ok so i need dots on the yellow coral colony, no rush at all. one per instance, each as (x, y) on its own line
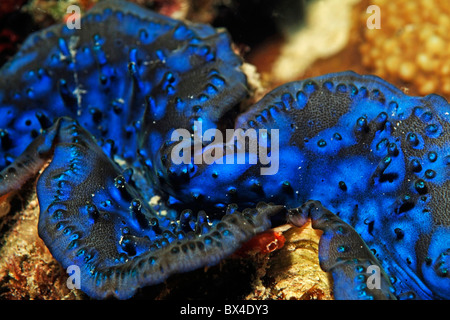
(412, 46)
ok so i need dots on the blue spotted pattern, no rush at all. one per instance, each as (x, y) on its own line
(96, 108)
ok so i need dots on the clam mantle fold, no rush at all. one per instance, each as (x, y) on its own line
(96, 108)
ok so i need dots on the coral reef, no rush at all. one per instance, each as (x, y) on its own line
(293, 271)
(413, 45)
(325, 33)
(27, 269)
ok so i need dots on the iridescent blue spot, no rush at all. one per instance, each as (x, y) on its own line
(420, 186)
(427, 116)
(309, 87)
(211, 89)
(217, 81)
(67, 230)
(432, 156)
(415, 165)
(60, 226)
(341, 87)
(431, 129)
(412, 139)
(328, 85)
(302, 99)
(337, 136)
(321, 143)
(430, 174)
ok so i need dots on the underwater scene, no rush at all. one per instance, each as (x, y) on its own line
(224, 150)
